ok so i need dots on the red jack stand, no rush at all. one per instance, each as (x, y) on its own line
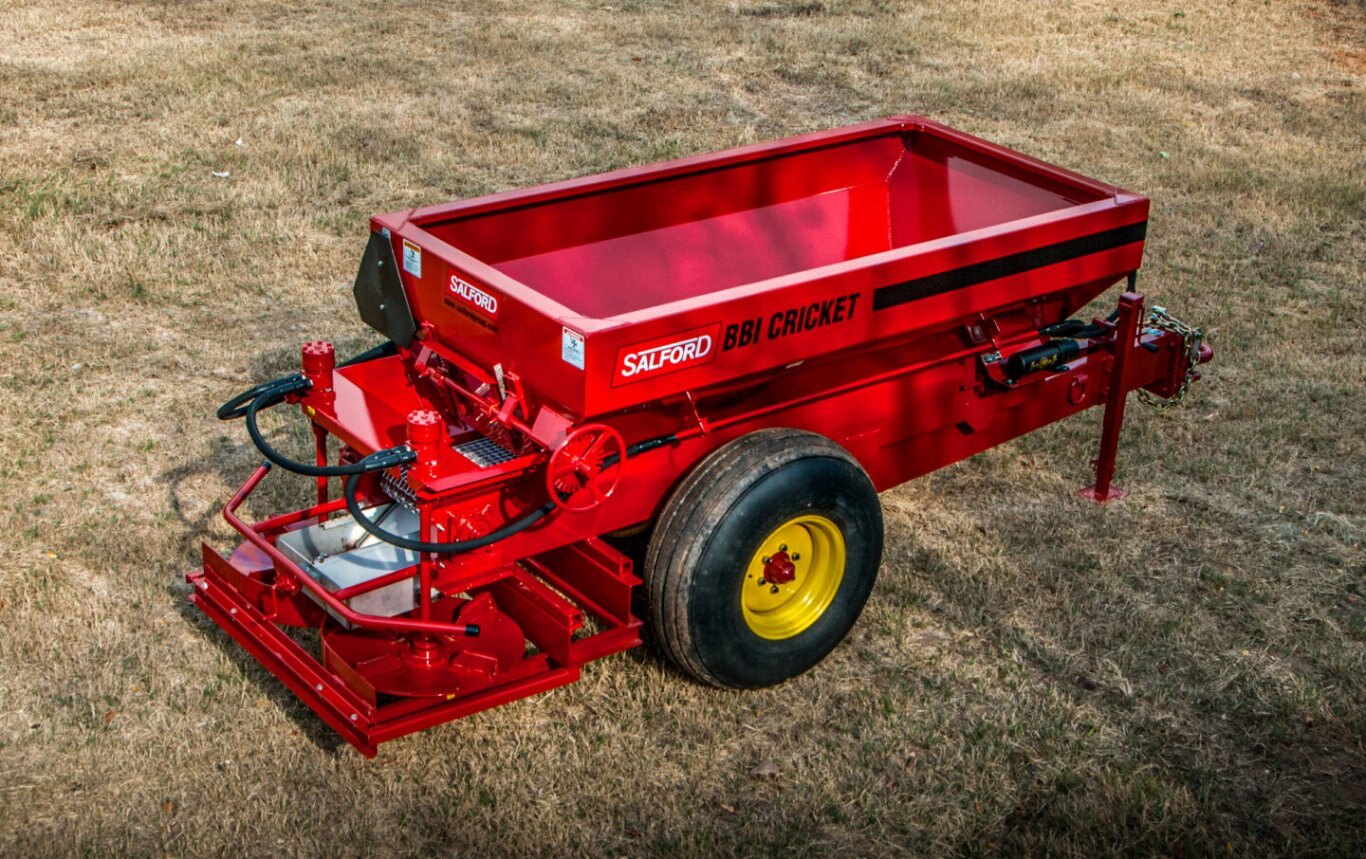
(1126, 334)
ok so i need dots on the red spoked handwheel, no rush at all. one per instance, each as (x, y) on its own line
(583, 472)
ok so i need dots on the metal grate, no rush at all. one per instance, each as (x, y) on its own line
(485, 452)
(398, 488)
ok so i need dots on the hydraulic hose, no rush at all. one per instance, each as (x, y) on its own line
(1076, 329)
(453, 547)
(237, 406)
(376, 461)
(250, 402)
(458, 546)
(274, 391)
(388, 347)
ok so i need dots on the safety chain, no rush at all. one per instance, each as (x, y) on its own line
(1191, 338)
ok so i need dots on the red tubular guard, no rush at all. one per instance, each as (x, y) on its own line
(590, 574)
(285, 565)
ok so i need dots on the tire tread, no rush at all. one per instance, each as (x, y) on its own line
(694, 512)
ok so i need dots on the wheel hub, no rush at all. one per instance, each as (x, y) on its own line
(779, 569)
(793, 577)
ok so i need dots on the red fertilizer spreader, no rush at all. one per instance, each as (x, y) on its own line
(735, 351)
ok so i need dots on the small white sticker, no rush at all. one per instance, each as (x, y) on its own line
(571, 348)
(412, 258)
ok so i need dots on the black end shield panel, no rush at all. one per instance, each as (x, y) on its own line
(379, 293)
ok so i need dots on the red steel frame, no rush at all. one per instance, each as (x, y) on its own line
(914, 382)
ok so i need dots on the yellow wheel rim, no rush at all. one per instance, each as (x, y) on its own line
(793, 577)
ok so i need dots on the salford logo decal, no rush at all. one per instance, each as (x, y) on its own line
(474, 296)
(664, 355)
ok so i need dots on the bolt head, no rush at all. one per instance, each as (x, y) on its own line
(773, 590)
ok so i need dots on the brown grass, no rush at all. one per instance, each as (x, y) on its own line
(1181, 673)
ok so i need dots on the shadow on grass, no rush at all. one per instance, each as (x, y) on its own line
(1227, 753)
(230, 462)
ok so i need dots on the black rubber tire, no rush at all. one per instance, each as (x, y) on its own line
(714, 523)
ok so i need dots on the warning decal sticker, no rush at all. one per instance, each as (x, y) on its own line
(571, 348)
(412, 258)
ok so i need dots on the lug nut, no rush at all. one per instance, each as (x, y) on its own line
(773, 590)
(762, 582)
(796, 557)
(782, 548)
(767, 560)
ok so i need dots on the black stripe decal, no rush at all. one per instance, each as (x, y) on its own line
(981, 272)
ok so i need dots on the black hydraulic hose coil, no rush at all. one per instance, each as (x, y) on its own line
(237, 406)
(377, 461)
(381, 351)
(447, 548)
(273, 392)
(458, 546)
(249, 403)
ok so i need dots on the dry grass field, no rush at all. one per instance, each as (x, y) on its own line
(1182, 673)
